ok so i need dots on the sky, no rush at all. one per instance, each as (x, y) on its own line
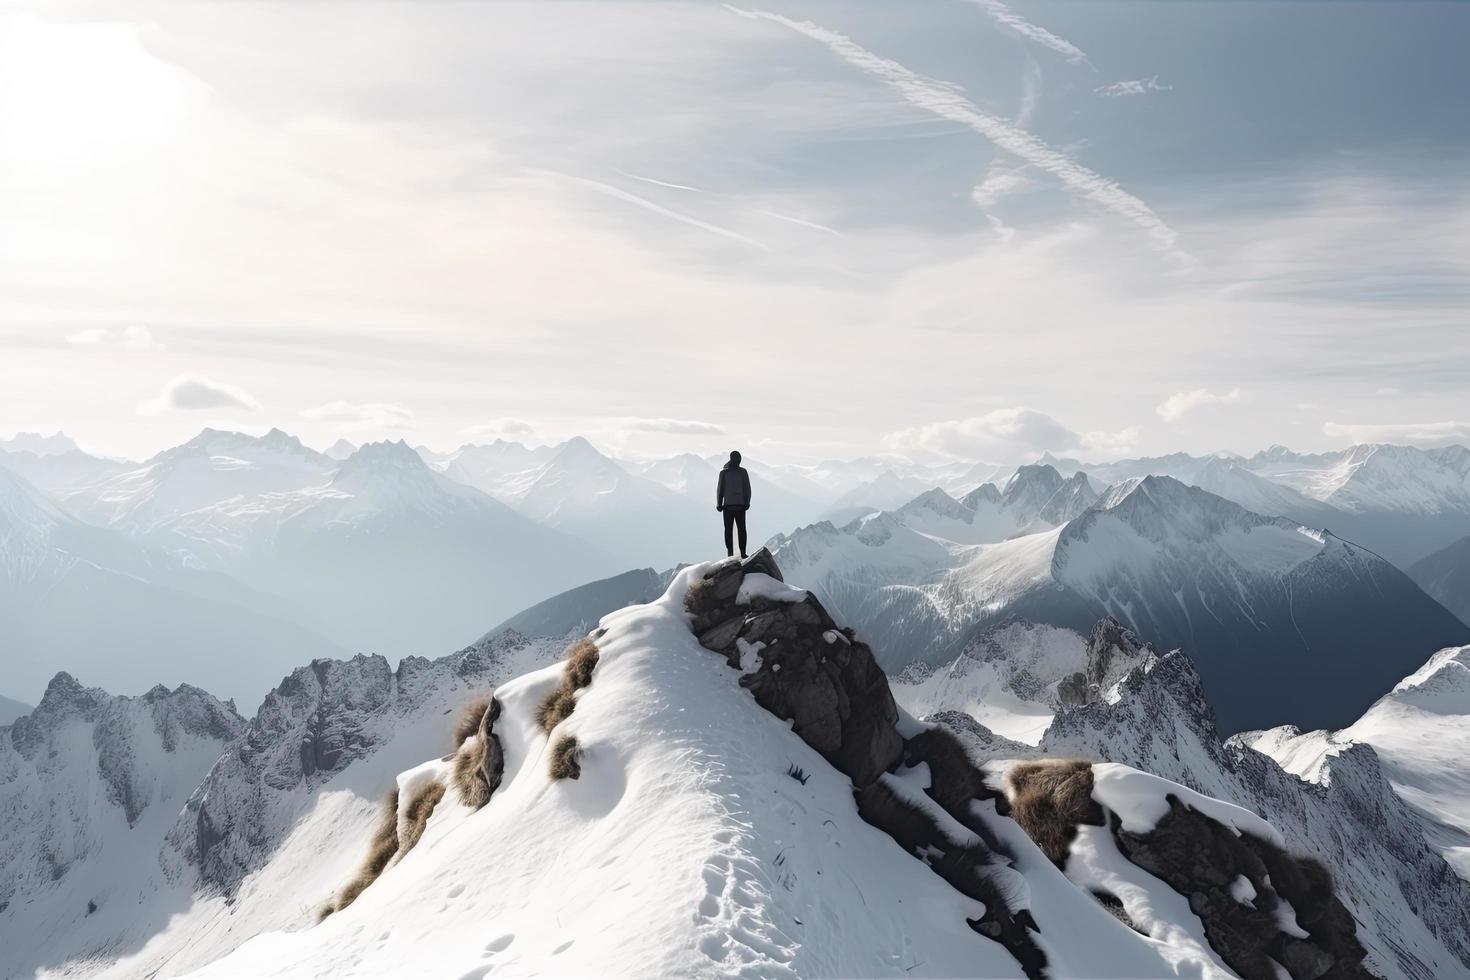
(947, 229)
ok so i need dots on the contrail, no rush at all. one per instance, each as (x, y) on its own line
(1006, 17)
(948, 102)
(660, 183)
(623, 195)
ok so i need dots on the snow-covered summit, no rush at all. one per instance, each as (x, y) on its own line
(714, 833)
(56, 444)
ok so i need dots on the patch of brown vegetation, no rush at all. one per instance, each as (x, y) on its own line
(381, 848)
(467, 722)
(416, 814)
(479, 762)
(579, 661)
(1049, 798)
(564, 764)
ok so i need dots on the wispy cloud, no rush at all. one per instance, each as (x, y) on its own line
(132, 337)
(1181, 403)
(1002, 435)
(998, 184)
(1417, 433)
(500, 427)
(192, 392)
(361, 415)
(1008, 18)
(1133, 86)
(947, 102)
(1120, 441)
(642, 202)
(676, 427)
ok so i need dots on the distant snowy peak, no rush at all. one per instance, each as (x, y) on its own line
(340, 450)
(685, 473)
(216, 442)
(56, 444)
(125, 728)
(1372, 477)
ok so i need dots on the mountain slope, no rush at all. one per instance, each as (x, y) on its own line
(1404, 502)
(212, 467)
(678, 844)
(1248, 596)
(389, 555)
(89, 785)
(1445, 575)
(234, 832)
(1421, 731)
(91, 600)
(11, 709)
(1407, 901)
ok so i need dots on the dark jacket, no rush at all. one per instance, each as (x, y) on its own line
(733, 490)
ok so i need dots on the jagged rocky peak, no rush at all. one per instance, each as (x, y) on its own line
(130, 738)
(985, 493)
(1032, 486)
(939, 502)
(1113, 651)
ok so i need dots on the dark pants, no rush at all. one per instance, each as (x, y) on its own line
(734, 517)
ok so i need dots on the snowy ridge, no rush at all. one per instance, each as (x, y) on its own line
(722, 865)
(234, 824)
(1421, 732)
(1404, 896)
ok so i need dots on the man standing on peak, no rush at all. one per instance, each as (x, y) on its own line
(732, 498)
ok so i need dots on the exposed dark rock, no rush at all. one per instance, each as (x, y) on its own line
(828, 685)
(1201, 859)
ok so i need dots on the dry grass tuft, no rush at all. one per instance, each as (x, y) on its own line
(580, 660)
(564, 764)
(479, 762)
(1049, 799)
(467, 722)
(381, 848)
(416, 814)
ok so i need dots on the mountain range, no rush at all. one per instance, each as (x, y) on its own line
(395, 549)
(1181, 566)
(706, 832)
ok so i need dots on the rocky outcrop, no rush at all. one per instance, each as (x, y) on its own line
(1260, 906)
(822, 678)
(1112, 651)
(802, 667)
(1388, 878)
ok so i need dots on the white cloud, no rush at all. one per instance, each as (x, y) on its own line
(1006, 17)
(1004, 434)
(1417, 433)
(1111, 442)
(192, 392)
(1181, 403)
(129, 338)
(361, 415)
(999, 184)
(677, 427)
(1133, 86)
(946, 101)
(500, 427)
